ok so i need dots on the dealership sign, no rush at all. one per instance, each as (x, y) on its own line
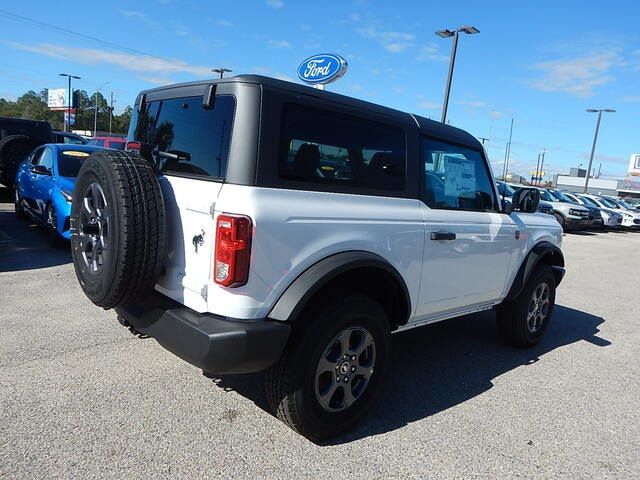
(57, 99)
(322, 69)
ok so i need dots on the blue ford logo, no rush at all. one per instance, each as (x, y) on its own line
(322, 68)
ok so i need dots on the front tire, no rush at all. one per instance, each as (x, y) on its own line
(522, 321)
(17, 204)
(333, 367)
(561, 221)
(55, 240)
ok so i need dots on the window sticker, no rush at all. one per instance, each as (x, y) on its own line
(74, 153)
(459, 179)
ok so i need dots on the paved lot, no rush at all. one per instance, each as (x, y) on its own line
(80, 397)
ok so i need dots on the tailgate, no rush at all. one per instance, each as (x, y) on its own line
(189, 204)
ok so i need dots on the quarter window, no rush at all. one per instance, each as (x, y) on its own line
(455, 178)
(46, 160)
(322, 147)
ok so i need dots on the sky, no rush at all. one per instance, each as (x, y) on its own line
(541, 62)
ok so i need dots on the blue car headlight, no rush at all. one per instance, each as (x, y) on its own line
(67, 195)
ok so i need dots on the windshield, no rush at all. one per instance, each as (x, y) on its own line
(626, 204)
(97, 141)
(505, 189)
(546, 196)
(609, 203)
(69, 162)
(589, 201)
(560, 196)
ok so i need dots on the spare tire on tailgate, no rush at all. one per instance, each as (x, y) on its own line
(117, 228)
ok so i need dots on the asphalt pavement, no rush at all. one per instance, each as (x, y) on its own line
(80, 397)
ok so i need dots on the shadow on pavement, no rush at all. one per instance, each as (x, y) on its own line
(24, 245)
(442, 365)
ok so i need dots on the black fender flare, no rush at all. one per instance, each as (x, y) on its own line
(539, 253)
(307, 284)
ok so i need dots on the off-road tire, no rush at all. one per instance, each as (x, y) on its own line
(511, 317)
(13, 150)
(290, 383)
(561, 221)
(136, 235)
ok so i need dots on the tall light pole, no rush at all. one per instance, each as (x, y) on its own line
(95, 108)
(68, 122)
(446, 33)
(222, 71)
(595, 139)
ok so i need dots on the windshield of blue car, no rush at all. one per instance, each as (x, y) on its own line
(546, 196)
(572, 198)
(69, 162)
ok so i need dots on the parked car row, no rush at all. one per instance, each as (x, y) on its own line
(578, 211)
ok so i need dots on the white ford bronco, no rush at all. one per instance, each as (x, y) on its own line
(256, 224)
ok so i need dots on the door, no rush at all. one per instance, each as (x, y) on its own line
(469, 245)
(41, 182)
(189, 145)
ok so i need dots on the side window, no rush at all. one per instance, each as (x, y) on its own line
(455, 178)
(323, 147)
(46, 159)
(35, 156)
(180, 136)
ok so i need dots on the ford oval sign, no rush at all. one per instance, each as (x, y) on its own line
(322, 68)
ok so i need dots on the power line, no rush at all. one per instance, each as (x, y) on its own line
(27, 20)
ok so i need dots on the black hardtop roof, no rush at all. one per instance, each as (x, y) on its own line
(426, 126)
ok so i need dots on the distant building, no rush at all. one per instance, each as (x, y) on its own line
(622, 188)
(634, 164)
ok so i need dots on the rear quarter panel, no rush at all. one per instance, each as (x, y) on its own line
(294, 229)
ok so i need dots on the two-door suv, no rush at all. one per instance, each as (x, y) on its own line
(265, 225)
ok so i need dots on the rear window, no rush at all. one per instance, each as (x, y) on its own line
(180, 137)
(96, 141)
(325, 148)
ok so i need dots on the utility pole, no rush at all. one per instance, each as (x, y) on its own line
(95, 108)
(222, 71)
(544, 151)
(534, 175)
(110, 113)
(507, 153)
(599, 169)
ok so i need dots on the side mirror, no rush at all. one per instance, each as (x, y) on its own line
(40, 170)
(526, 200)
(507, 207)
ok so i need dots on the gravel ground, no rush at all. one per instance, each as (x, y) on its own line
(80, 397)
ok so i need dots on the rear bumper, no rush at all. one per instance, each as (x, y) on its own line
(213, 343)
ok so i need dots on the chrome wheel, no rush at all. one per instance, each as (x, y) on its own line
(51, 218)
(93, 227)
(345, 369)
(538, 308)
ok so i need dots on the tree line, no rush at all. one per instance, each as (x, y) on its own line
(33, 106)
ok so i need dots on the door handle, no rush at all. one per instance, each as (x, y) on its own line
(443, 236)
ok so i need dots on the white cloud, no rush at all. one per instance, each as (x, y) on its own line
(472, 103)
(576, 76)
(275, 3)
(431, 53)
(224, 23)
(495, 114)
(427, 105)
(392, 41)
(126, 61)
(278, 44)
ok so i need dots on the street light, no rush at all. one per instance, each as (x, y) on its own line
(95, 107)
(595, 139)
(68, 123)
(469, 30)
(221, 71)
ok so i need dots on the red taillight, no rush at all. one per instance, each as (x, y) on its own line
(132, 146)
(233, 250)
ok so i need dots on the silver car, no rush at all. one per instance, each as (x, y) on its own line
(611, 218)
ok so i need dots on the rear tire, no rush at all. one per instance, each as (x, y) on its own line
(522, 321)
(13, 150)
(117, 228)
(302, 388)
